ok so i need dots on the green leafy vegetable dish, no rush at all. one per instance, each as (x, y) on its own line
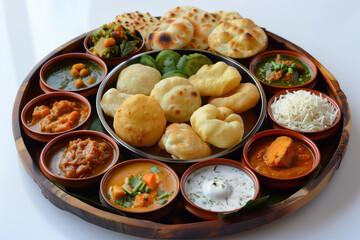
(114, 40)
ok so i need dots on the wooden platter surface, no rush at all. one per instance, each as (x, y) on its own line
(332, 153)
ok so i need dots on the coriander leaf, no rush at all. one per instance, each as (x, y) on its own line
(155, 169)
(132, 181)
(127, 204)
(108, 195)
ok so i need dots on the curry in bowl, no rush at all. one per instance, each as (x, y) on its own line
(140, 188)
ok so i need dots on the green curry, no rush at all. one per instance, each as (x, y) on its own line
(59, 75)
(281, 70)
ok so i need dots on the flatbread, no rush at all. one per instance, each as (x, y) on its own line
(143, 22)
(171, 34)
(201, 20)
(223, 15)
(239, 38)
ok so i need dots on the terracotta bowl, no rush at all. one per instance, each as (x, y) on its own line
(143, 214)
(202, 212)
(316, 135)
(68, 56)
(115, 60)
(252, 118)
(277, 182)
(272, 89)
(51, 153)
(47, 99)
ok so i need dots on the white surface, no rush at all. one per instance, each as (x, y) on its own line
(329, 30)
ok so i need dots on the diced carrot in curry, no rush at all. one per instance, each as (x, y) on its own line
(118, 192)
(280, 152)
(142, 200)
(150, 180)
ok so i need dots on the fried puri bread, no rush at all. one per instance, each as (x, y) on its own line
(140, 121)
(143, 22)
(244, 97)
(202, 21)
(111, 101)
(182, 142)
(239, 38)
(216, 80)
(178, 98)
(171, 34)
(218, 126)
(222, 15)
(138, 79)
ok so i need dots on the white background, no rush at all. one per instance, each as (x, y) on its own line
(29, 30)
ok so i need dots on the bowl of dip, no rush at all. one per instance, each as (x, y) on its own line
(52, 114)
(306, 111)
(279, 70)
(75, 72)
(218, 185)
(141, 188)
(78, 159)
(281, 158)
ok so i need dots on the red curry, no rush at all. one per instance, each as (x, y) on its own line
(301, 163)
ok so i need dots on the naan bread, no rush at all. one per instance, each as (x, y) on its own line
(143, 22)
(201, 20)
(239, 38)
(171, 34)
(222, 15)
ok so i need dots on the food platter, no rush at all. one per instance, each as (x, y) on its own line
(181, 224)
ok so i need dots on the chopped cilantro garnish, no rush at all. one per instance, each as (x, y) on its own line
(108, 195)
(155, 169)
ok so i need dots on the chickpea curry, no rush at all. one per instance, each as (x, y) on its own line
(283, 157)
(281, 70)
(74, 74)
(114, 40)
(141, 187)
(58, 116)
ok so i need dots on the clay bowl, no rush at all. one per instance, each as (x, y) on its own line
(114, 60)
(280, 182)
(272, 89)
(252, 118)
(127, 168)
(315, 135)
(47, 99)
(73, 58)
(51, 153)
(200, 211)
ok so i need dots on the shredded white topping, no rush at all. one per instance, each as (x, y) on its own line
(304, 111)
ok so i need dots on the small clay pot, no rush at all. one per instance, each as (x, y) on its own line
(46, 99)
(204, 213)
(82, 91)
(49, 162)
(274, 182)
(315, 135)
(272, 89)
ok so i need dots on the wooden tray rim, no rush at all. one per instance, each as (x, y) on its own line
(150, 229)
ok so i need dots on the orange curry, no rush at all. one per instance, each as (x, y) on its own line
(141, 187)
(58, 117)
(281, 158)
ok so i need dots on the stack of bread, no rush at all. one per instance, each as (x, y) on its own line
(224, 32)
(171, 112)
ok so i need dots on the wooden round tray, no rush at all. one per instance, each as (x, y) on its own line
(181, 224)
